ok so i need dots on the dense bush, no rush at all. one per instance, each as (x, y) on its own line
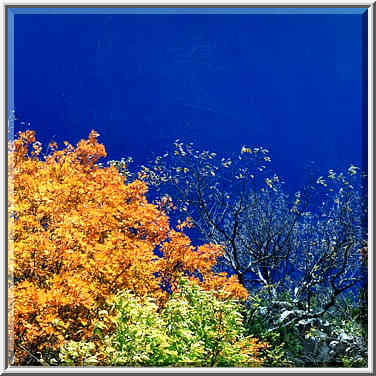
(194, 329)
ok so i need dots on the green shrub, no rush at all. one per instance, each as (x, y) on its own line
(194, 329)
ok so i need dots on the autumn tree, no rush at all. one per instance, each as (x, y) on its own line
(78, 234)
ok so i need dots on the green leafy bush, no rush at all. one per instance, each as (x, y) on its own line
(194, 329)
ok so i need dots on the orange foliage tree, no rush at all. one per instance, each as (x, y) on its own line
(77, 235)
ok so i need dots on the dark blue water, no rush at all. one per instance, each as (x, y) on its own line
(295, 84)
(292, 83)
